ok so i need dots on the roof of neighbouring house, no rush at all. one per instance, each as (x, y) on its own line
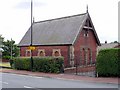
(59, 31)
(108, 45)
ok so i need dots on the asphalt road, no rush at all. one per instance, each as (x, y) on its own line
(25, 81)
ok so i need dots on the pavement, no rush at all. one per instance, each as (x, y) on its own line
(112, 80)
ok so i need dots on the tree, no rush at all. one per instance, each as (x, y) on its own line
(10, 49)
(1, 40)
(115, 41)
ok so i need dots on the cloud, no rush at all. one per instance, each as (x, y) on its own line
(27, 4)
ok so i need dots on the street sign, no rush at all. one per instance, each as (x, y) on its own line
(31, 48)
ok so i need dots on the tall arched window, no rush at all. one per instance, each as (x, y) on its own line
(83, 56)
(89, 56)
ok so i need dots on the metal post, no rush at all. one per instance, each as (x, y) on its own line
(11, 48)
(31, 37)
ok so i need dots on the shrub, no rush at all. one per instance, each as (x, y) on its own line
(6, 57)
(21, 63)
(108, 62)
(48, 64)
(41, 64)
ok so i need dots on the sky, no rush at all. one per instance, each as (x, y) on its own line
(15, 15)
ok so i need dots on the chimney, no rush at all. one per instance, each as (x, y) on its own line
(105, 42)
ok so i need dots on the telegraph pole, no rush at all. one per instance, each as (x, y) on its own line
(31, 35)
(11, 48)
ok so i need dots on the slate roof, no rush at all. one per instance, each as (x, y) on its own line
(59, 31)
(107, 46)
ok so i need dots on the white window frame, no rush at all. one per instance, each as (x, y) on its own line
(58, 50)
(26, 53)
(39, 50)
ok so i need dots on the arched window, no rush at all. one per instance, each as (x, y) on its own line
(56, 52)
(28, 53)
(41, 52)
(83, 56)
(89, 56)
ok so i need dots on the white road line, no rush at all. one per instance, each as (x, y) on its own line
(27, 76)
(27, 87)
(4, 82)
(38, 77)
(32, 87)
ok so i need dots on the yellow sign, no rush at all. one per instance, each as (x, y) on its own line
(31, 47)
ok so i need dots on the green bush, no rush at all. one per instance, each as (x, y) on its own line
(21, 63)
(41, 64)
(108, 61)
(6, 57)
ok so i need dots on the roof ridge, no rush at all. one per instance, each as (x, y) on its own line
(60, 18)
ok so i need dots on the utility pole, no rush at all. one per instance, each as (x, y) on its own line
(11, 48)
(31, 35)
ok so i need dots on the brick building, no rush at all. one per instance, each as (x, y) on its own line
(73, 37)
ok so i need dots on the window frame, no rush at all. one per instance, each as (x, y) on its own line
(26, 53)
(58, 50)
(41, 50)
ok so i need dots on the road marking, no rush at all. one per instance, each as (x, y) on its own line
(27, 87)
(26, 76)
(38, 77)
(32, 87)
(4, 82)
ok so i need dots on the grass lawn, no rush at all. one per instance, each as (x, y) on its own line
(5, 64)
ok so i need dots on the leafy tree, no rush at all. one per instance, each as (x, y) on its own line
(9, 46)
(1, 40)
(115, 41)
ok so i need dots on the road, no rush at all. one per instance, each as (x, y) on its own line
(25, 81)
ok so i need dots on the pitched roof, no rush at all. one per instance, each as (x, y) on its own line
(107, 46)
(57, 31)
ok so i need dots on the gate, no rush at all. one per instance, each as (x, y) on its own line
(88, 70)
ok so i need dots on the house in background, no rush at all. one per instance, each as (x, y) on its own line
(73, 37)
(108, 45)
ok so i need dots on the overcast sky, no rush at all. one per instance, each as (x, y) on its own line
(15, 15)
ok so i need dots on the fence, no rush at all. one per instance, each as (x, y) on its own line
(88, 70)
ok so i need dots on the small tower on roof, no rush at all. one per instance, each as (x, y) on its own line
(87, 9)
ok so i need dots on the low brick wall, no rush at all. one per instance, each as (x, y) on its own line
(5, 60)
(80, 69)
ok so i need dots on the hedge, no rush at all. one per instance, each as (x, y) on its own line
(41, 64)
(108, 61)
(21, 63)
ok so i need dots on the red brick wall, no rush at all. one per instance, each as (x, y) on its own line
(80, 69)
(89, 42)
(49, 51)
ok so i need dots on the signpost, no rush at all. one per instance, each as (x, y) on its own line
(31, 48)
